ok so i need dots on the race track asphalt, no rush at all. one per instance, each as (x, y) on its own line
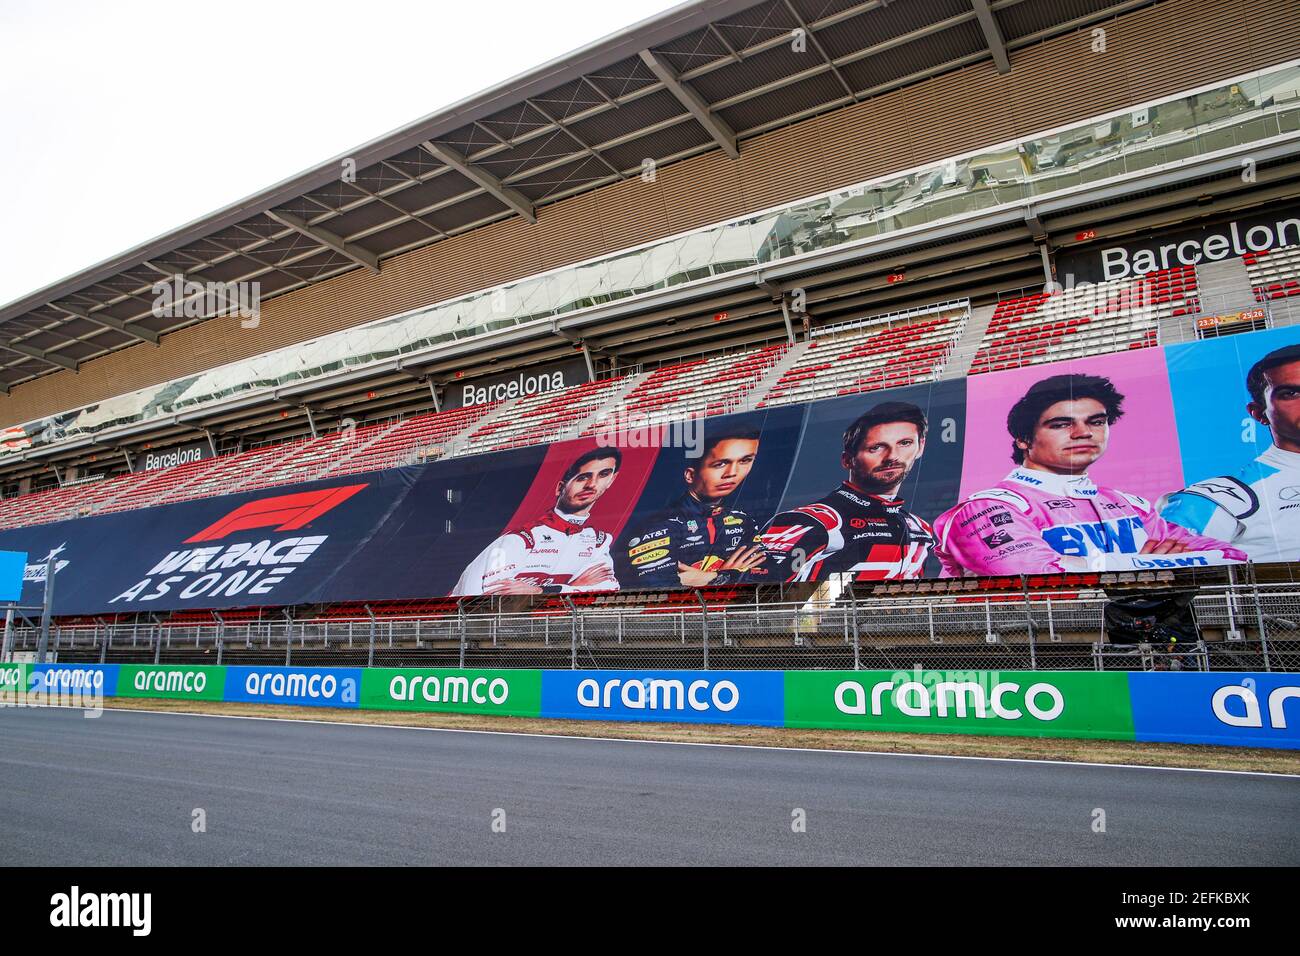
(123, 789)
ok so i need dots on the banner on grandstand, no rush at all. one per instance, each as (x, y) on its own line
(1146, 459)
(534, 380)
(1226, 239)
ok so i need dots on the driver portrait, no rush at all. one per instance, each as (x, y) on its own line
(1257, 508)
(557, 552)
(1047, 515)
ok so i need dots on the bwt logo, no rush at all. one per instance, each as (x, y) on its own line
(282, 513)
(1196, 560)
(1277, 699)
(659, 694)
(1124, 536)
(75, 909)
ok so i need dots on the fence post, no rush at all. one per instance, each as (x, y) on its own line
(1259, 619)
(573, 632)
(460, 623)
(157, 643)
(1029, 623)
(47, 611)
(7, 649)
(853, 614)
(221, 640)
(704, 625)
(370, 654)
(103, 648)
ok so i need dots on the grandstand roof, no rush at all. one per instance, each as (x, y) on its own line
(703, 76)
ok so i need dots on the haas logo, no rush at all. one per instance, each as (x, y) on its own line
(283, 512)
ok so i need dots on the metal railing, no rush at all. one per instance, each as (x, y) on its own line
(1254, 627)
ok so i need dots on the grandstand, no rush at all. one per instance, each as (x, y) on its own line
(892, 206)
(1274, 274)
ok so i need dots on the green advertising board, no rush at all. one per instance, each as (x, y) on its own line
(172, 681)
(516, 693)
(13, 683)
(1013, 703)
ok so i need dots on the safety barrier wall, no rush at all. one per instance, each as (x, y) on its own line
(1246, 710)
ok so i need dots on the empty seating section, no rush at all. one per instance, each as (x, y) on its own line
(887, 353)
(1274, 274)
(348, 451)
(357, 610)
(707, 386)
(1086, 320)
(536, 419)
(409, 441)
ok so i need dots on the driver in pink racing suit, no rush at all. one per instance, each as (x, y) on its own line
(1047, 516)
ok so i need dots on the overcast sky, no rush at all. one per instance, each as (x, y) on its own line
(122, 120)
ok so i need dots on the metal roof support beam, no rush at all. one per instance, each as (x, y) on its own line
(714, 125)
(1037, 231)
(328, 239)
(586, 147)
(992, 35)
(812, 38)
(484, 180)
(51, 358)
(108, 322)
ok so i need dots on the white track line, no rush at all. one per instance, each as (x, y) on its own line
(694, 743)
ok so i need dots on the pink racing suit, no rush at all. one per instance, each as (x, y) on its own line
(1036, 522)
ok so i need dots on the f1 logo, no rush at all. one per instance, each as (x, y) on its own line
(283, 512)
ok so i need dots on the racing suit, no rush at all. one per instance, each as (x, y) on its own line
(1256, 510)
(1036, 522)
(849, 530)
(549, 551)
(696, 533)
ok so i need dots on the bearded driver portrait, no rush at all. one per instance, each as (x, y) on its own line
(861, 528)
(557, 552)
(1048, 516)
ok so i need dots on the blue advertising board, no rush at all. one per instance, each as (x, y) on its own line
(56, 678)
(1237, 709)
(700, 697)
(303, 686)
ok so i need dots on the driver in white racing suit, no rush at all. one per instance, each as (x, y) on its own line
(557, 552)
(1258, 508)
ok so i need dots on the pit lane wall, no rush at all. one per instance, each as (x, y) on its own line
(1231, 709)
